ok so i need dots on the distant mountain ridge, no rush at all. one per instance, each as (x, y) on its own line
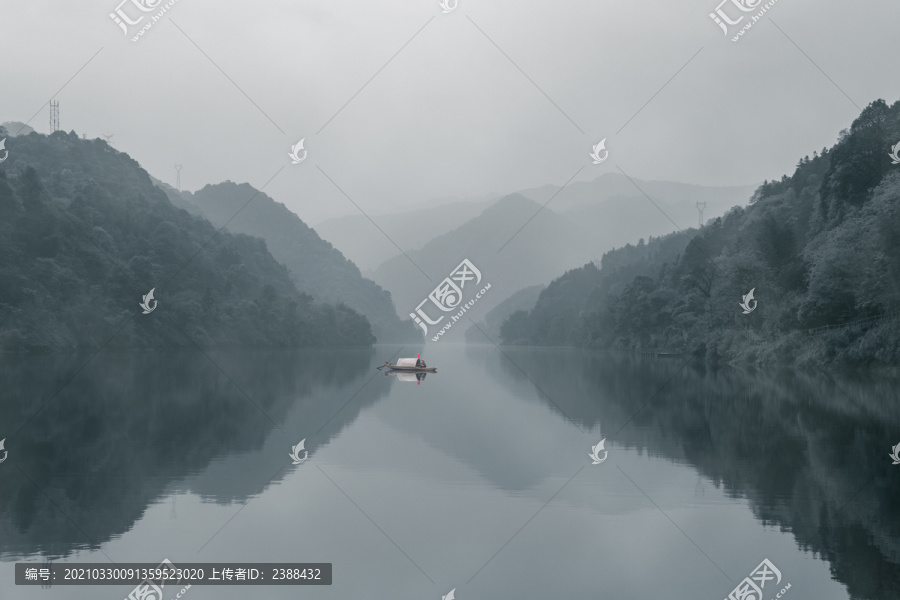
(15, 128)
(368, 247)
(616, 185)
(621, 210)
(613, 206)
(513, 243)
(557, 233)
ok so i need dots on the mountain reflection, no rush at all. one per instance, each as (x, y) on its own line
(809, 451)
(92, 445)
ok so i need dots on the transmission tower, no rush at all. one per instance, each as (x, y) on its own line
(54, 115)
(178, 177)
(108, 137)
(700, 208)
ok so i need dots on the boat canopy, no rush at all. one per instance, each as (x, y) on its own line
(410, 362)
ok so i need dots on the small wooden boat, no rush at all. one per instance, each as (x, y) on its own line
(412, 365)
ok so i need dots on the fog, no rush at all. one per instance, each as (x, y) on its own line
(400, 104)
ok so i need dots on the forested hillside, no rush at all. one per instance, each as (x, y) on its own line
(315, 266)
(84, 235)
(820, 249)
(524, 299)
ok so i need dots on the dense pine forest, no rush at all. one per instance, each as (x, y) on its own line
(820, 249)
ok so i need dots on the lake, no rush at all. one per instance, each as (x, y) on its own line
(477, 478)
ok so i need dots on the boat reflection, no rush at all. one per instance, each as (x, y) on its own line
(408, 376)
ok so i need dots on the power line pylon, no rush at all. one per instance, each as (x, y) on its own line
(54, 115)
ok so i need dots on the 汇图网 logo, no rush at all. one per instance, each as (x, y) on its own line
(145, 303)
(751, 588)
(723, 19)
(599, 148)
(150, 590)
(296, 159)
(895, 154)
(296, 450)
(124, 20)
(747, 299)
(448, 5)
(448, 296)
(595, 452)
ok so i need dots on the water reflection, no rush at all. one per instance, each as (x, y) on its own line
(85, 462)
(404, 377)
(449, 469)
(809, 451)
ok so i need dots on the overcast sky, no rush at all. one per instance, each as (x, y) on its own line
(400, 103)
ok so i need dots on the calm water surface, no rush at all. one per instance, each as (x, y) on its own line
(477, 479)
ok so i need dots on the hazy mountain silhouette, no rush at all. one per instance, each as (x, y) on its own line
(575, 226)
(615, 185)
(611, 206)
(315, 266)
(14, 128)
(365, 245)
(508, 260)
(617, 211)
